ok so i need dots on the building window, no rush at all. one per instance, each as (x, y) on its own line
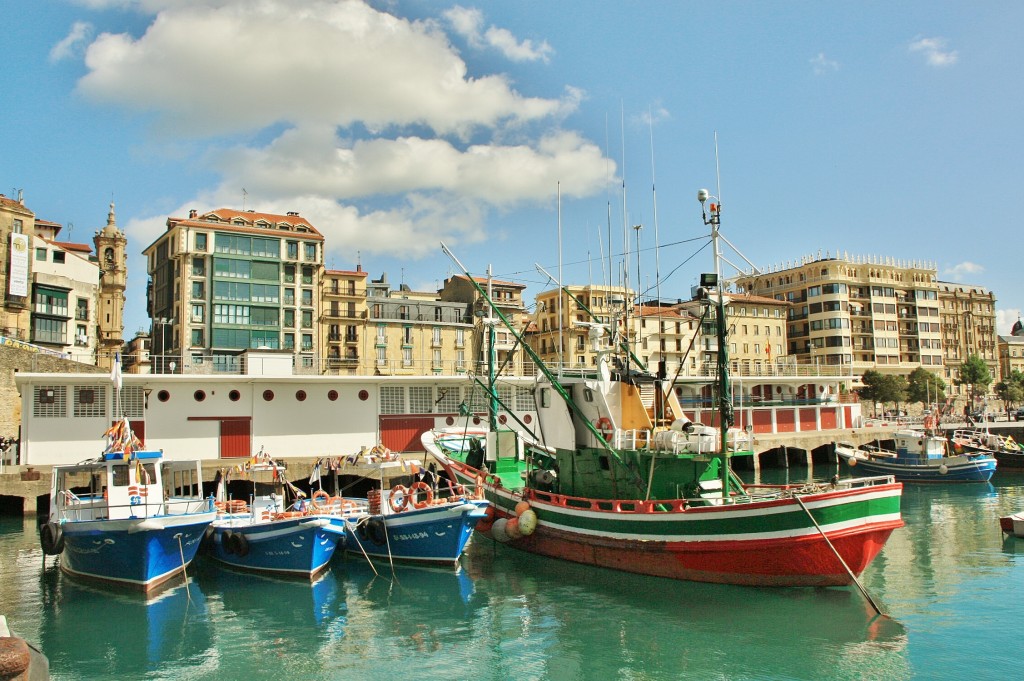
(460, 338)
(90, 401)
(289, 318)
(293, 250)
(382, 356)
(307, 341)
(50, 401)
(197, 338)
(307, 296)
(82, 309)
(307, 319)
(310, 252)
(199, 267)
(41, 254)
(289, 341)
(307, 276)
(198, 289)
(200, 241)
(58, 256)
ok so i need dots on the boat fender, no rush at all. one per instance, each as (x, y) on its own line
(239, 544)
(51, 537)
(498, 530)
(399, 498)
(361, 531)
(512, 528)
(207, 541)
(414, 491)
(227, 541)
(521, 507)
(527, 522)
(852, 461)
(943, 469)
(376, 531)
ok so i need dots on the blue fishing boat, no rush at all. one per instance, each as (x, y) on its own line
(130, 517)
(411, 517)
(918, 456)
(262, 534)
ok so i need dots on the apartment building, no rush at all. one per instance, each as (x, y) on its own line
(1011, 351)
(866, 313)
(343, 319)
(415, 333)
(58, 295)
(968, 322)
(561, 334)
(508, 300)
(227, 280)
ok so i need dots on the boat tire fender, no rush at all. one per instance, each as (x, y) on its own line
(227, 541)
(376, 531)
(51, 538)
(239, 544)
(207, 541)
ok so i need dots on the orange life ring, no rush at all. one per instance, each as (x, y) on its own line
(402, 494)
(604, 427)
(320, 494)
(417, 487)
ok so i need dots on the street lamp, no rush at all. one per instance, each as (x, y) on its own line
(164, 322)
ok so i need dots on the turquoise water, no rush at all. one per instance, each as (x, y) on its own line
(950, 584)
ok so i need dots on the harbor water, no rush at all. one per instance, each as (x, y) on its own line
(951, 586)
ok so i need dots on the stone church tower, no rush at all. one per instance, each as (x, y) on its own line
(110, 245)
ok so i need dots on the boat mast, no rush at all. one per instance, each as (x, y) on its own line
(725, 413)
(492, 403)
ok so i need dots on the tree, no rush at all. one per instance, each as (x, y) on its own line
(1011, 390)
(925, 387)
(975, 373)
(883, 388)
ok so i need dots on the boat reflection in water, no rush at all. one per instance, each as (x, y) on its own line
(104, 632)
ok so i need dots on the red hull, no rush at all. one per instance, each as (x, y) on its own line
(804, 561)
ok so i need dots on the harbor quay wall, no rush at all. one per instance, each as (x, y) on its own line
(25, 489)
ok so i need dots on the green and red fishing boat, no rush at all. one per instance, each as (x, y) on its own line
(605, 480)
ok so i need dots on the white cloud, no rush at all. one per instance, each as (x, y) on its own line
(934, 51)
(310, 79)
(239, 66)
(71, 44)
(1005, 319)
(469, 22)
(963, 269)
(822, 65)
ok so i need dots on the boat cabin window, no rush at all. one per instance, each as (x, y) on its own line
(545, 398)
(120, 476)
(588, 394)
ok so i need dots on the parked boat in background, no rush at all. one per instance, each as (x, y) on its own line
(1007, 452)
(410, 517)
(607, 481)
(265, 534)
(130, 517)
(918, 456)
(1013, 524)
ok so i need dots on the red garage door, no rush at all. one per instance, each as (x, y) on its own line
(402, 433)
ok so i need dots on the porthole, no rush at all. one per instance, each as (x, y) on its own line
(450, 421)
(476, 420)
(199, 395)
(163, 396)
(364, 395)
(502, 419)
(527, 419)
(300, 395)
(268, 395)
(332, 395)
(234, 395)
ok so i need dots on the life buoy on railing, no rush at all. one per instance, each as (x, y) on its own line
(414, 491)
(399, 498)
(604, 427)
(317, 496)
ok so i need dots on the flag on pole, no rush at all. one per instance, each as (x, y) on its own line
(314, 477)
(768, 350)
(115, 372)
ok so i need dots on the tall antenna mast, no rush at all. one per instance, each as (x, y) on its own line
(559, 212)
(654, 196)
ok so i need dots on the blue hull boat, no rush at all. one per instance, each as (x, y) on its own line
(918, 457)
(300, 546)
(434, 534)
(111, 521)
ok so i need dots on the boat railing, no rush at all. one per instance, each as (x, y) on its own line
(72, 507)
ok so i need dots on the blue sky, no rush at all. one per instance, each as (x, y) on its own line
(867, 128)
